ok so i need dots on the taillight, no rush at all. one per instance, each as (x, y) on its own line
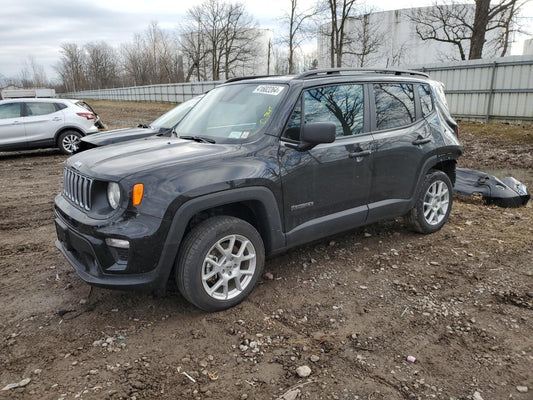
(457, 131)
(89, 116)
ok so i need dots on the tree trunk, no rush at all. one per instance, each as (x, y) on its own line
(481, 19)
(332, 50)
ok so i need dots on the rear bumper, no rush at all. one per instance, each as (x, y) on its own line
(91, 130)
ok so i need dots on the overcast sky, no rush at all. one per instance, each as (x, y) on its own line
(38, 27)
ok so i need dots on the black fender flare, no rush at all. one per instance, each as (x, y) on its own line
(429, 164)
(270, 214)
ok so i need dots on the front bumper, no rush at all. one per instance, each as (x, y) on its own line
(98, 264)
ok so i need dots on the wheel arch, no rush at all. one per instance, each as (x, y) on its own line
(255, 205)
(445, 163)
(448, 167)
(251, 211)
(64, 129)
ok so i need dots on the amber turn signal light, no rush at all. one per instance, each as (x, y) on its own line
(138, 191)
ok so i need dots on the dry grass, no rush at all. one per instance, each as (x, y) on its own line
(126, 114)
(502, 133)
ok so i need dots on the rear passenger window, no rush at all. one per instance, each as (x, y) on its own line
(395, 105)
(10, 110)
(426, 101)
(341, 104)
(40, 108)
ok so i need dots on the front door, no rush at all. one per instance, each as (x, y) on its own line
(325, 189)
(11, 126)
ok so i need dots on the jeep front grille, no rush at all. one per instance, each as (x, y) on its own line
(77, 188)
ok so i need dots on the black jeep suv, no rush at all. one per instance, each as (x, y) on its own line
(259, 166)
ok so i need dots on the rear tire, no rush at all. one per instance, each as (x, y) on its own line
(219, 263)
(433, 203)
(68, 142)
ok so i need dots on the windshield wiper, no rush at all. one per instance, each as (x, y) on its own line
(143, 126)
(199, 139)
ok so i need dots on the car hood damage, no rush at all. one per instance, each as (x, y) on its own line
(121, 160)
(116, 136)
(507, 192)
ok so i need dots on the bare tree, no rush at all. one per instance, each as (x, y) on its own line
(368, 39)
(397, 55)
(218, 36)
(102, 65)
(135, 64)
(71, 67)
(339, 12)
(300, 27)
(33, 74)
(465, 26)
(310, 60)
(152, 57)
(238, 38)
(509, 26)
(280, 65)
(193, 47)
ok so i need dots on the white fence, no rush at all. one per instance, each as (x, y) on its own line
(165, 93)
(496, 89)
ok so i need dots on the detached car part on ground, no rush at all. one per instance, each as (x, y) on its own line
(162, 126)
(506, 192)
(259, 166)
(38, 123)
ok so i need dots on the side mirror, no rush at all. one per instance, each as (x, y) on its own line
(314, 133)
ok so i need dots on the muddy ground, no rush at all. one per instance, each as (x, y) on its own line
(351, 307)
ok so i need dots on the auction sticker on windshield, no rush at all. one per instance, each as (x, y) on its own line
(239, 134)
(272, 90)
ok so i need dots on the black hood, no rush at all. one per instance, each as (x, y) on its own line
(118, 161)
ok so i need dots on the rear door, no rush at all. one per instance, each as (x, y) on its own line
(402, 143)
(42, 120)
(325, 189)
(11, 126)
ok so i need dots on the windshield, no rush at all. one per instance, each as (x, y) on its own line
(233, 113)
(171, 118)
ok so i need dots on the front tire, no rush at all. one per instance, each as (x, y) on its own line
(433, 203)
(68, 142)
(219, 263)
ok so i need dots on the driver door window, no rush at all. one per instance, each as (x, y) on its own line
(10, 110)
(340, 104)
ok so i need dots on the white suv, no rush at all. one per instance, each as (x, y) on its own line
(36, 123)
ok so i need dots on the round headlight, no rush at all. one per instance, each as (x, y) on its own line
(113, 195)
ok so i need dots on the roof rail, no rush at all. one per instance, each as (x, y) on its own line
(348, 71)
(242, 78)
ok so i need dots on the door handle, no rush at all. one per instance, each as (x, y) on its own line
(421, 140)
(56, 119)
(360, 154)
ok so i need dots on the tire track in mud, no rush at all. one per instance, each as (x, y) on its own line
(329, 345)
